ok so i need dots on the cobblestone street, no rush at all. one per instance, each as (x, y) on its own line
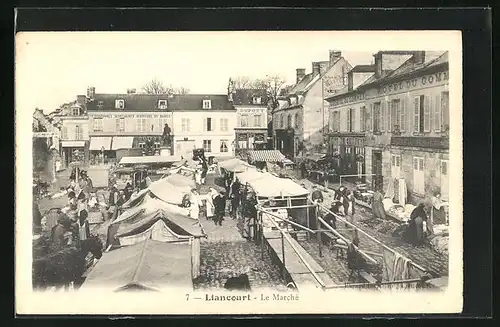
(225, 253)
(425, 256)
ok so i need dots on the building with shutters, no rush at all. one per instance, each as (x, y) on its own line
(402, 112)
(300, 119)
(251, 118)
(203, 121)
(74, 132)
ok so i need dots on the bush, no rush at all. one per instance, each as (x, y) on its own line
(41, 154)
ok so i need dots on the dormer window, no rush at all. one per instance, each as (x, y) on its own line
(100, 104)
(257, 100)
(207, 104)
(120, 104)
(162, 104)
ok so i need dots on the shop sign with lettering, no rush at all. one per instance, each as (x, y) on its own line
(348, 99)
(419, 82)
(251, 110)
(354, 141)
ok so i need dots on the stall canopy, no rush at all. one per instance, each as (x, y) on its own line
(122, 142)
(149, 265)
(148, 160)
(234, 165)
(73, 144)
(180, 180)
(168, 192)
(265, 155)
(251, 175)
(272, 186)
(98, 143)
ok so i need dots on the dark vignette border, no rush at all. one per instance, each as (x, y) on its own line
(477, 50)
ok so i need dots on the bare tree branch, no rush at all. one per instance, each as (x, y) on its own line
(241, 82)
(156, 86)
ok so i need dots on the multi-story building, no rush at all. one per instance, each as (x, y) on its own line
(124, 124)
(300, 119)
(203, 121)
(400, 117)
(251, 118)
(74, 132)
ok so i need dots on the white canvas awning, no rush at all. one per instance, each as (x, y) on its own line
(73, 144)
(122, 142)
(97, 143)
(148, 160)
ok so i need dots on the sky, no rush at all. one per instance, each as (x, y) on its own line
(53, 67)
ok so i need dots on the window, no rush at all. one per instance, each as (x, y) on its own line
(207, 145)
(142, 145)
(162, 104)
(157, 145)
(368, 119)
(223, 124)
(376, 117)
(418, 175)
(100, 104)
(141, 124)
(223, 146)
(336, 121)
(64, 133)
(75, 111)
(120, 104)
(395, 165)
(297, 124)
(244, 120)
(362, 119)
(422, 114)
(289, 121)
(207, 104)
(185, 124)
(395, 115)
(78, 133)
(257, 120)
(208, 125)
(97, 124)
(350, 120)
(257, 100)
(445, 110)
(121, 126)
(282, 121)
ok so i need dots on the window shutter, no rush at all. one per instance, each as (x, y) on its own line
(389, 116)
(382, 121)
(204, 124)
(348, 120)
(416, 114)
(437, 113)
(427, 114)
(402, 120)
(362, 119)
(371, 117)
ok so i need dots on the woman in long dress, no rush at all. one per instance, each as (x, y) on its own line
(377, 205)
(195, 203)
(210, 203)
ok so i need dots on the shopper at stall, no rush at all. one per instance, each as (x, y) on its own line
(377, 204)
(235, 197)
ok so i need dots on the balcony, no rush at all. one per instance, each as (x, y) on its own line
(421, 142)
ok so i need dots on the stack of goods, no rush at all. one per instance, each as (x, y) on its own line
(440, 244)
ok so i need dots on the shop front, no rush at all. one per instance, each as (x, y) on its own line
(285, 142)
(100, 150)
(73, 151)
(351, 150)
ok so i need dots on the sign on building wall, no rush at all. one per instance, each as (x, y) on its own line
(43, 134)
(415, 83)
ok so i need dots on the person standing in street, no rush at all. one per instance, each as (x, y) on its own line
(220, 208)
(235, 198)
(377, 204)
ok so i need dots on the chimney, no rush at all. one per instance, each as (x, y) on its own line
(315, 68)
(350, 81)
(301, 72)
(378, 64)
(91, 92)
(419, 57)
(334, 56)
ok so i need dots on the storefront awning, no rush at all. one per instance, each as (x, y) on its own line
(73, 144)
(122, 142)
(266, 155)
(97, 143)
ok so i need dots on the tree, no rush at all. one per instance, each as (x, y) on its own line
(155, 86)
(271, 85)
(41, 154)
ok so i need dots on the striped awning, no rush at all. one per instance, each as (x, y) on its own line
(266, 155)
(122, 142)
(73, 144)
(97, 143)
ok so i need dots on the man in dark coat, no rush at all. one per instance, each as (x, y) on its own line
(235, 197)
(220, 208)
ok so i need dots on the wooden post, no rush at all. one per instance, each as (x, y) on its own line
(195, 253)
(308, 222)
(283, 249)
(261, 235)
(319, 233)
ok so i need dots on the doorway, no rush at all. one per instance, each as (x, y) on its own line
(377, 180)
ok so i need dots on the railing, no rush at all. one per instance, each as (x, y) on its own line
(354, 175)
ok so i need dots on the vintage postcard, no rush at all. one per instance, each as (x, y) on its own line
(238, 172)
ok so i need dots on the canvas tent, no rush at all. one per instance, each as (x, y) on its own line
(234, 165)
(271, 186)
(265, 156)
(149, 265)
(251, 175)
